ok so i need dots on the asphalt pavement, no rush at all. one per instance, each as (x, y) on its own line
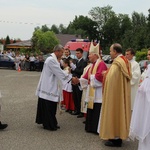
(18, 109)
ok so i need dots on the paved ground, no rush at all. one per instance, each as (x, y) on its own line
(19, 109)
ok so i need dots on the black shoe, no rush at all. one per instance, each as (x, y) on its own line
(114, 143)
(70, 112)
(80, 115)
(84, 122)
(58, 127)
(51, 129)
(3, 126)
(75, 113)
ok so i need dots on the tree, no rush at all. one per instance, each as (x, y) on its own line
(44, 41)
(101, 15)
(14, 41)
(86, 27)
(71, 29)
(7, 40)
(125, 31)
(124, 23)
(148, 19)
(138, 20)
(55, 29)
(139, 30)
(127, 39)
(111, 31)
(62, 29)
(147, 43)
(44, 28)
(107, 27)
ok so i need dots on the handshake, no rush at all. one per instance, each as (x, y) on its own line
(75, 80)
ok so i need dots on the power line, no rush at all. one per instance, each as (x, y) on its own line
(25, 23)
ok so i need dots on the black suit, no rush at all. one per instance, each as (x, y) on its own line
(77, 93)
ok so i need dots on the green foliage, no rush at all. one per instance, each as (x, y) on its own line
(129, 32)
(25, 51)
(45, 28)
(29, 51)
(7, 40)
(44, 41)
(55, 29)
(14, 41)
(108, 27)
(85, 26)
(141, 55)
(101, 15)
(106, 51)
(62, 29)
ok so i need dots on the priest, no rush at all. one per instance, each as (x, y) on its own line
(94, 78)
(49, 90)
(116, 108)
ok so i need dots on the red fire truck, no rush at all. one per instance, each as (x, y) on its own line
(72, 45)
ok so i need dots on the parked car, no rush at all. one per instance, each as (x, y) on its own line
(36, 62)
(107, 59)
(7, 61)
(46, 56)
(142, 65)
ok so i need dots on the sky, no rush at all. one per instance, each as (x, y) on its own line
(19, 18)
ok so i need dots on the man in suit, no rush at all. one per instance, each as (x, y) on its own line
(77, 71)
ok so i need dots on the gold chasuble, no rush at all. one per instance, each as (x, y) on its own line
(92, 89)
(116, 105)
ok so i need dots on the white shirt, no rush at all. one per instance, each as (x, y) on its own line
(32, 58)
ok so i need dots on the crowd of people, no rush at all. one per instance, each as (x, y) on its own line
(25, 61)
(114, 101)
(104, 96)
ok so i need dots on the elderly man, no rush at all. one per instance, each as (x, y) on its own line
(49, 90)
(116, 108)
(94, 76)
(93, 80)
(136, 74)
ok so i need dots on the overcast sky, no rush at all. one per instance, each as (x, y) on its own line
(18, 18)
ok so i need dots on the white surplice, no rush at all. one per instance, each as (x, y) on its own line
(136, 75)
(140, 126)
(52, 77)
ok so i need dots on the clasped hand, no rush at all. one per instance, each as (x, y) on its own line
(75, 80)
